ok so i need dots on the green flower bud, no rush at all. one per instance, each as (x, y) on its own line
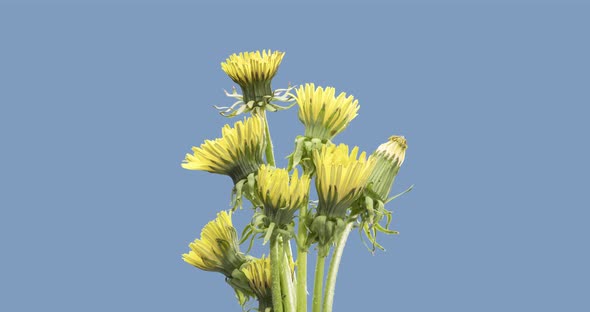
(389, 158)
(370, 208)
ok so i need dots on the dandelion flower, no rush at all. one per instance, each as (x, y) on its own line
(281, 194)
(257, 273)
(237, 153)
(341, 178)
(218, 248)
(323, 113)
(253, 71)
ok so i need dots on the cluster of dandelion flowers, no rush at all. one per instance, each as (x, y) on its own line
(341, 178)
(238, 153)
(351, 186)
(323, 113)
(253, 71)
(218, 248)
(389, 158)
(281, 194)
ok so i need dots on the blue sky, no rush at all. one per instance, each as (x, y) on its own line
(99, 104)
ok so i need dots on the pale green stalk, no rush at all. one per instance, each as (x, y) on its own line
(285, 251)
(302, 257)
(302, 263)
(275, 274)
(286, 281)
(270, 156)
(316, 303)
(289, 251)
(333, 270)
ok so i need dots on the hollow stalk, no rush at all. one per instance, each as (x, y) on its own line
(275, 274)
(333, 270)
(316, 303)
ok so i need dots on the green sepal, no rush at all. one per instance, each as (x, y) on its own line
(371, 210)
(242, 298)
(295, 157)
(236, 195)
(400, 194)
(275, 107)
(266, 102)
(369, 207)
(385, 230)
(303, 153)
(370, 233)
(251, 185)
(268, 233)
(248, 233)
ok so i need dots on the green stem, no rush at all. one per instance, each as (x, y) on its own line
(275, 274)
(287, 281)
(316, 303)
(289, 251)
(269, 152)
(333, 270)
(291, 259)
(302, 281)
(302, 263)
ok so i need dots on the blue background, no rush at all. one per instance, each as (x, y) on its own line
(99, 104)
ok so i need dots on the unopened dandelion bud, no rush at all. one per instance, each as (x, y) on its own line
(218, 249)
(389, 158)
(370, 208)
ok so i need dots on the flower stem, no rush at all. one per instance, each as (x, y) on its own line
(269, 152)
(275, 274)
(289, 251)
(333, 270)
(316, 304)
(287, 280)
(302, 263)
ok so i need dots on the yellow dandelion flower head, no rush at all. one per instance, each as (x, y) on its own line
(218, 248)
(341, 178)
(280, 193)
(258, 274)
(323, 113)
(249, 68)
(237, 153)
